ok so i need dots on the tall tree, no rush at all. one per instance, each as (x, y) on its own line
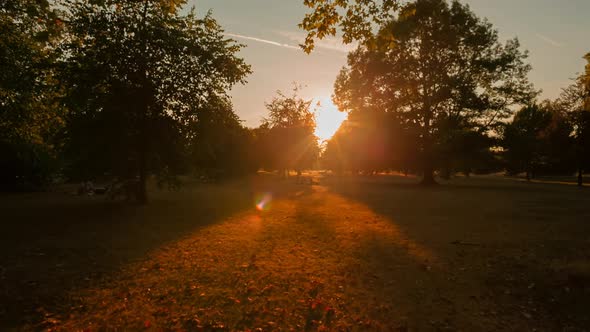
(538, 139)
(463, 148)
(141, 73)
(221, 146)
(29, 116)
(368, 141)
(436, 63)
(586, 83)
(288, 132)
(573, 100)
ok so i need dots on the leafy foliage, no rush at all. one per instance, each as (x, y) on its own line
(367, 142)
(29, 114)
(287, 135)
(356, 19)
(537, 139)
(220, 145)
(141, 75)
(439, 68)
(572, 102)
(586, 82)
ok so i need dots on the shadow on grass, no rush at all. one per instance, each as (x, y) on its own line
(515, 231)
(51, 244)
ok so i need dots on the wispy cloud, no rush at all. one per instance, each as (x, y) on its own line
(548, 40)
(328, 43)
(260, 40)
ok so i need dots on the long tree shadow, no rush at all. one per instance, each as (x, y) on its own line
(366, 265)
(464, 209)
(497, 241)
(51, 243)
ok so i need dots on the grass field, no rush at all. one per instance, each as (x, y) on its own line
(353, 254)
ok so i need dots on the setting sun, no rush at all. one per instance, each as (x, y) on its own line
(328, 119)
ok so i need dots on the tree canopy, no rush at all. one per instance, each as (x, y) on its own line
(586, 83)
(140, 74)
(220, 146)
(355, 18)
(537, 139)
(29, 115)
(439, 68)
(287, 133)
(131, 89)
(573, 101)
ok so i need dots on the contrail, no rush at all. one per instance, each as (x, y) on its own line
(260, 40)
(549, 40)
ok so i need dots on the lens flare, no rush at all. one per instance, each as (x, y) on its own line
(263, 201)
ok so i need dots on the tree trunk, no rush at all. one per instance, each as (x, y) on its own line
(142, 196)
(428, 178)
(142, 166)
(427, 157)
(428, 160)
(446, 173)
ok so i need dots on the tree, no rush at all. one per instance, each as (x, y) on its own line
(140, 75)
(463, 148)
(572, 101)
(436, 63)
(221, 146)
(287, 134)
(586, 83)
(29, 116)
(355, 18)
(538, 139)
(367, 142)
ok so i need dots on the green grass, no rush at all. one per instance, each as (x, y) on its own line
(352, 253)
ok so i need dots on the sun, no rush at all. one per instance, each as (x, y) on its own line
(328, 119)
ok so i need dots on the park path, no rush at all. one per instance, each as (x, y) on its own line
(310, 260)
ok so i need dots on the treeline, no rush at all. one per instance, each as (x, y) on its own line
(434, 90)
(117, 89)
(123, 89)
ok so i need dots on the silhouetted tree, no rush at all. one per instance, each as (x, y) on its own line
(538, 139)
(436, 63)
(586, 83)
(464, 149)
(140, 74)
(572, 102)
(220, 145)
(367, 142)
(29, 115)
(287, 134)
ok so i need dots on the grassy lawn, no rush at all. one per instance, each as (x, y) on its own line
(352, 253)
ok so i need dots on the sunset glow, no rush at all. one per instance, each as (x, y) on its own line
(328, 119)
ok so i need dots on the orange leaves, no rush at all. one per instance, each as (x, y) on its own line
(267, 289)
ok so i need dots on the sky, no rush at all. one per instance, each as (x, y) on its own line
(555, 32)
